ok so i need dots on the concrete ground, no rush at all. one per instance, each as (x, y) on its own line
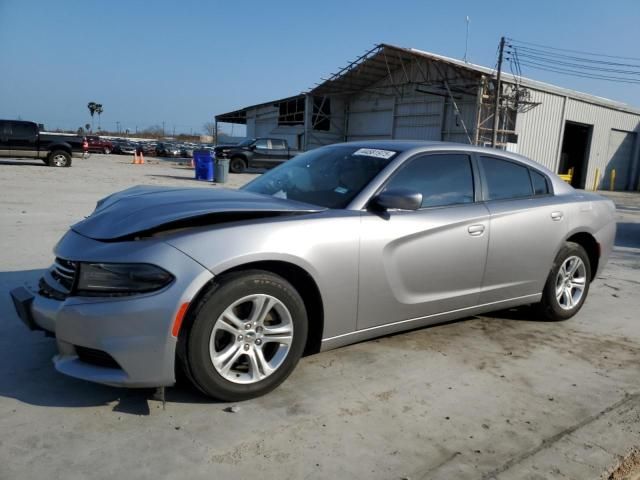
(501, 396)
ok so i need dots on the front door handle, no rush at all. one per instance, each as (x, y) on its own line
(556, 216)
(475, 230)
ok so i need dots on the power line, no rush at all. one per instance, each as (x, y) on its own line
(572, 57)
(577, 65)
(578, 73)
(582, 52)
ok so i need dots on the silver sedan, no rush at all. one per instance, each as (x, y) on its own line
(341, 244)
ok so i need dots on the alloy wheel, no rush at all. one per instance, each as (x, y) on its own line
(251, 339)
(570, 282)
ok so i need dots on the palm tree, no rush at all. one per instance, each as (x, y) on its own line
(99, 111)
(92, 109)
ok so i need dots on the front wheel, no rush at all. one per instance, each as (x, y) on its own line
(107, 151)
(248, 333)
(568, 283)
(59, 158)
(237, 165)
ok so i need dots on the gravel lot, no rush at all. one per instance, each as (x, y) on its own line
(498, 396)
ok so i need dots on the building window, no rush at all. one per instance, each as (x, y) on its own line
(321, 118)
(291, 112)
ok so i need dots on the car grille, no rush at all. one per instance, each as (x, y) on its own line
(58, 282)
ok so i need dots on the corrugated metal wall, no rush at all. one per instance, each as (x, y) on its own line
(603, 120)
(418, 117)
(263, 122)
(539, 129)
(540, 132)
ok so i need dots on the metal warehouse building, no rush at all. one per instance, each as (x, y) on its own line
(402, 93)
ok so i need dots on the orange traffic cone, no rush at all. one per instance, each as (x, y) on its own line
(135, 158)
(141, 158)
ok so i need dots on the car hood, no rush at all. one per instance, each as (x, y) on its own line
(145, 209)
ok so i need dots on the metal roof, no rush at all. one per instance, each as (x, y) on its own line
(380, 61)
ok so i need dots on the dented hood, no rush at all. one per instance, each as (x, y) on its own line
(145, 209)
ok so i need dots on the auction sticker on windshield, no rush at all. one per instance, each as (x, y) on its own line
(374, 152)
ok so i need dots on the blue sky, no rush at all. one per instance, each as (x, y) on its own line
(184, 61)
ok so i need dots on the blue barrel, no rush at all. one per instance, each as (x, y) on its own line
(203, 162)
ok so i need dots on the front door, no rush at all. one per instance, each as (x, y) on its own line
(24, 139)
(419, 263)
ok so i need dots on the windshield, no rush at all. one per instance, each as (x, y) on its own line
(329, 177)
(247, 142)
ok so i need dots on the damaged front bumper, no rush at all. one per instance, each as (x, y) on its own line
(119, 341)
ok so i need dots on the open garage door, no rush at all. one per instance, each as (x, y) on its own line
(620, 158)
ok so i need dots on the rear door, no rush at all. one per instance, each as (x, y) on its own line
(419, 263)
(23, 141)
(527, 228)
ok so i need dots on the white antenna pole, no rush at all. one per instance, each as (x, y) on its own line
(466, 41)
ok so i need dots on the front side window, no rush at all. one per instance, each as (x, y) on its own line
(262, 143)
(443, 179)
(23, 130)
(505, 179)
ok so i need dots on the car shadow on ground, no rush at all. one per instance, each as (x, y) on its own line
(25, 163)
(27, 373)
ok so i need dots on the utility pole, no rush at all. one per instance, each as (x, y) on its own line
(496, 107)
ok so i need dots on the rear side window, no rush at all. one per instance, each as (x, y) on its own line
(277, 144)
(506, 179)
(540, 186)
(445, 179)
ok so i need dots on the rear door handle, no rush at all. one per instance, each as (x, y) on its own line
(556, 216)
(475, 230)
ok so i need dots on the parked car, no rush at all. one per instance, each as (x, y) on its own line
(255, 152)
(99, 145)
(341, 244)
(21, 139)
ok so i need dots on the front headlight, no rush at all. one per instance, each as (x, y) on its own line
(103, 279)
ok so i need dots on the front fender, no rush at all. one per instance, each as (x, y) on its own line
(325, 245)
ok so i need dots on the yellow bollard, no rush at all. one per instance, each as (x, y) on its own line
(613, 179)
(595, 182)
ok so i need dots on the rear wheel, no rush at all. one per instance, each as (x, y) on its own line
(568, 283)
(107, 151)
(59, 158)
(247, 336)
(237, 165)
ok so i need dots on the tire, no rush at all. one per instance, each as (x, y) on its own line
(59, 158)
(106, 151)
(232, 356)
(567, 285)
(237, 165)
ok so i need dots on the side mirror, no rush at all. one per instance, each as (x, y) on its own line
(252, 147)
(398, 198)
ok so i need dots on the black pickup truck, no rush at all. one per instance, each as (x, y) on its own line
(255, 152)
(20, 139)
